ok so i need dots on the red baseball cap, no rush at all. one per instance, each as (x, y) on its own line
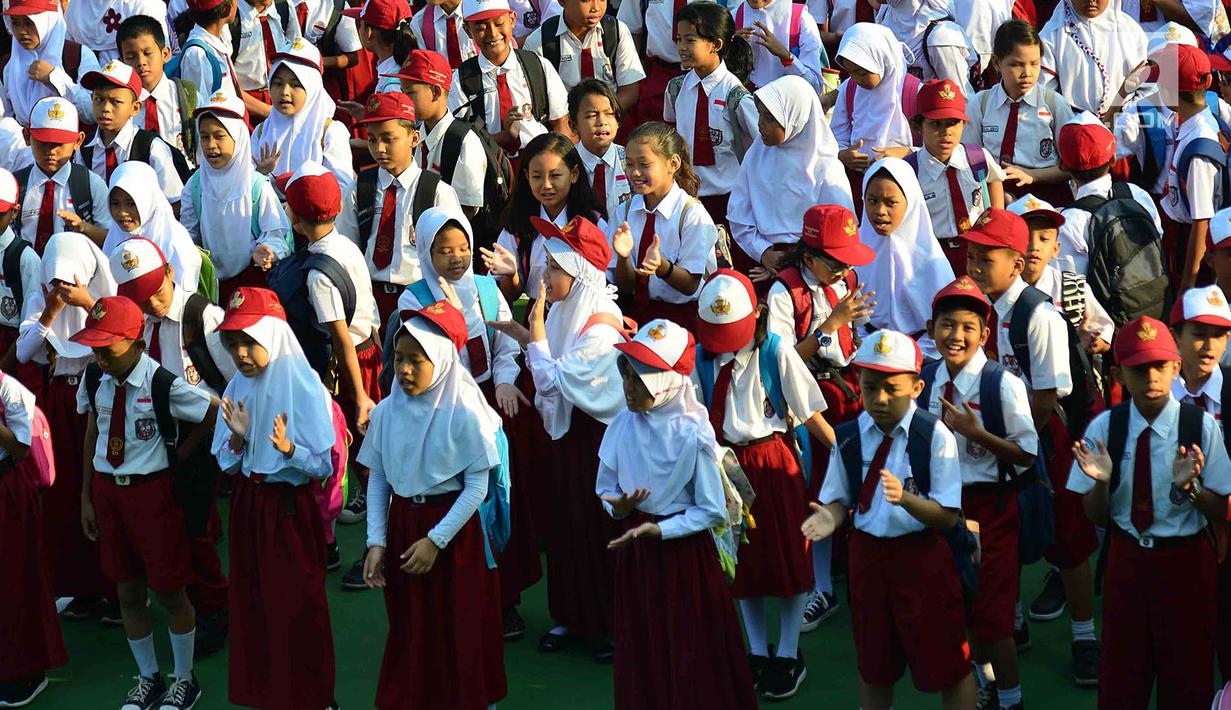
(1144, 339)
(940, 99)
(1000, 228)
(385, 14)
(248, 305)
(426, 67)
(388, 106)
(727, 312)
(32, 7)
(834, 230)
(447, 318)
(581, 235)
(1193, 71)
(112, 319)
(113, 73)
(965, 288)
(139, 268)
(312, 192)
(1085, 143)
(662, 345)
(203, 5)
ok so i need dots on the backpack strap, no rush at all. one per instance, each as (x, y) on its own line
(1117, 439)
(471, 81)
(168, 426)
(1205, 149)
(705, 373)
(365, 204)
(928, 375)
(625, 326)
(451, 147)
(801, 298)
(12, 269)
(336, 273)
(235, 37)
(992, 411)
(771, 377)
(257, 186)
(912, 159)
(919, 449)
(532, 67)
(1149, 118)
(910, 95)
(425, 194)
(611, 39)
(740, 141)
(192, 330)
(550, 46)
(328, 42)
(977, 160)
(1192, 421)
(489, 301)
(140, 148)
(79, 191)
(850, 450)
(173, 68)
(93, 376)
(186, 92)
(428, 28)
(1019, 323)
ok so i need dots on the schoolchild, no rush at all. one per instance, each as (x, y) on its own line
(206, 57)
(92, 23)
(384, 31)
(439, 27)
(597, 117)
(585, 42)
(137, 210)
(787, 42)
(1217, 256)
(18, 287)
(169, 102)
(654, 28)
(43, 62)
(261, 30)
(1088, 51)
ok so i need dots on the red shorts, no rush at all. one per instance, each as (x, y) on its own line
(992, 614)
(141, 532)
(906, 609)
(387, 296)
(1076, 539)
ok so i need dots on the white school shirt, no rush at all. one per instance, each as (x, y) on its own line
(1170, 520)
(30, 268)
(1195, 199)
(619, 190)
(1087, 60)
(171, 341)
(92, 27)
(440, 30)
(519, 89)
(1097, 320)
(345, 33)
(14, 415)
(160, 159)
(275, 229)
(980, 19)
(885, 519)
(33, 346)
(699, 506)
(782, 316)
(1132, 141)
(335, 150)
(657, 23)
(250, 66)
(196, 67)
(1074, 234)
(978, 465)
(385, 84)
(766, 67)
(586, 372)
(327, 300)
(531, 14)
(170, 117)
(627, 66)
(719, 178)
(686, 237)
(1047, 341)
(14, 153)
(404, 267)
(65, 87)
(1208, 396)
(32, 201)
(934, 182)
(144, 451)
(1038, 124)
(538, 253)
(502, 367)
(471, 168)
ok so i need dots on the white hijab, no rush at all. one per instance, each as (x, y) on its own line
(288, 384)
(429, 225)
(804, 169)
(909, 19)
(226, 200)
(909, 267)
(422, 441)
(298, 137)
(158, 222)
(72, 256)
(589, 295)
(878, 118)
(23, 91)
(319, 12)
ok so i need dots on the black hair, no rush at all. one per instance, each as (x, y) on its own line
(1193, 97)
(666, 142)
(949, 304)
(1013, 33)
(795, 256)
(139, 26)
(580, 203)
(219, 12)
(1091, 174)
(1037, 222)
(593, 87)
(401, 38)
(714, 23)
(448, 223)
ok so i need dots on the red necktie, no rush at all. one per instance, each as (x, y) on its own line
(950, 393)
(503, 95)
(1200, 401)
(1143, 485)
(873, 475)
(301, 13)
(718, 404)
(600, 184)
(992, 348)
(451, 44)
(477, 354)
(642, 293)
(961, 216)
(702, 145)
(151, 114)
(1148, 12)
(115, 433)
(844, 333)
(423, 155)
(110, 162)
(155, 352)
(46, 217)
(382, 253)
(267, 41)
(1010, 134)
(587, 64)
(675, 32)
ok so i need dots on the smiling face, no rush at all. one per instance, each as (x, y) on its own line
(636, 396)
(250, 357)
(216, 143)
(124, 210)
(493, 37)
(287, 92)
(648, 172)
(25, 32)
(772, 132)
(884, 204)
(392, 144)
(144, 55)
(451, 252)
(1201, 348)
(412, 366)
(959, 333)
(886, 397)
(113, 107)
(696, 52)
(596, 123)
(557, 283)
(550, 180)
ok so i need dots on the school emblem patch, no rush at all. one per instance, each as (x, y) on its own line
(946, 92)
(715, 136)
(984, 219)
(237, 300)
(54, 112)
(1046, 147)
(129, 260)
(1033, 204)
(109, 66)
(769, 408)
(218, 98)
(1010, 364)
(191, 375)
(98, 313)
(530, 19)
(720, 307)
(884, 347)
(437, 308)
(298, 44)
(115, 445)
(374, 104)
(910, 487)
(8, 307)
(974, 450)
(1147, 332)
(964, 284)
(850, 227)
(1215, 299)
(145, 429)
(658, 332)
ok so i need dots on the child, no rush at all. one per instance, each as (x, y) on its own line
(41, 59)
(585, 42)
(138, 210)
(959, 180)
(209, 67)
(796, 153)
(1089, 50)
(1201, 320)
(731, 373)
(675, 236)
(1154, 470)
(127, 502)
(1219, 258)
(440, 29)
(275, 431)
(709, 105)
(655, 30)
(384, 31)
(659, 476)
(991, 456)
(788, 42)
(905, 596)
(941, 49)
(425, 488)
(262, 29)
(169, 103)
(19, 287)
(595, 115)
(93, 22)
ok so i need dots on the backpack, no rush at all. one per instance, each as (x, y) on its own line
(160, 393)
(470, 81)
(365, 201)
(12, 270)
(1150, 121)
(549, 32)
(42, 459)
(1125, 272)
(174, 68)
(289, 280)
(143, 140)
(192, 330)
(78, 191)
(1213, 151)
(976, 157)
(186, 92)
(331, 492)
(797, 14)
(740, 141)
(488, 222)
(801, 297)
(910, 100)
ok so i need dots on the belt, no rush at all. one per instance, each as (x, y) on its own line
(436, 499)
(70, 380)
(1156, 543)
(760, 440)
(365, 345)
(123, 480)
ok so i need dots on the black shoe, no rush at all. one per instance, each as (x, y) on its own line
(82, 608)
(333, 557)
(758, 664)
(182, 694)
(22, 692)
(605, 654)
(987, 699)
(1085, 663)
(145, 694)
(514, 625)
(820, 607)
(353, 579)
(211, 633)
(356, 511)
(550, 643)
(109, 613)
(783, 677)
(1021, 638)
(1051, 602)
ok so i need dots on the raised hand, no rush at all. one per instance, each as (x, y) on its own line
(626, 503)
(235, 415)
(498, 260)
(1094, 463)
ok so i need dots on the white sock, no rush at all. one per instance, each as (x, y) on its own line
(143, 652)
(790, 619)
(1010, 696)
(822, 557)
(984, 674)
(753, 611)
(559, 631)
(1018, 619)
(181, 649)
(1083, 630)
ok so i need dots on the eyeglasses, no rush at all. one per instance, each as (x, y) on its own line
(835, 267)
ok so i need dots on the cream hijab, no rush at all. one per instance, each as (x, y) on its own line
(71, 257)
(22, 90)
(878, 118)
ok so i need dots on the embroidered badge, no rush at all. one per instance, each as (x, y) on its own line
(115, 445)
(909, 486)
(111, 21)
(975, 451)
(658, 332)
(720, 306)
(109, 67)
(129, 260)
(946, 92)
(1215, 299)
(374, 104)
(54, 112)
(964, 284)
(850, 227)
(984, 219)
(98, 313)
(1147, 332)
(145, 429)
(531, 19)
(237, 300)
(8, 307)
(437, 308)
(884, 347)
(769, 408)
(218, 98)
(1033, 204)
(191, 374)
(715, 136)
(1046, 146)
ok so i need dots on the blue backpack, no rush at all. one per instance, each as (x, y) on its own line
(173, 68)
(289, 280)
(489, 305)
(1150, 119)
(1214, 151)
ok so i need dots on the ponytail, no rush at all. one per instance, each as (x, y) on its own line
(665, 141)
(401, 38)
(714, 23)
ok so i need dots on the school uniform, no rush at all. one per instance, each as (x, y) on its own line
(955, 198)
(1088, 59)
(161, 112)
(471, 167)
(196, 67)
(14, 153)
(980, 19)
(30, 375)
(530, 15)
(533, 261)
(608, 178)
(1074, 234)
(1028, 142)
(586, 58)
(40, 214)
(656, 22)
(519, 91)
(262, 34)
(445, 33)
(59, 83)
(1095, 317)
(719, 177)
(119, 149)
(231, 260)
(1189, 197)
(312, 19)
(1134, 136)
(766, 67)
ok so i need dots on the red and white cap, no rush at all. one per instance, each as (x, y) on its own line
(32, 7)
(303, 52)
(114, 73)
(223, 103)
(1207, 304)
(112, 319)
(139, 268)
(311, 191)
(8, 190)
(662, 345)
(384, 14)
(1028, 206)
(1220, 229)
(478, 10)
(727, 306)
(248, 305)
(54, 120)
(889, 351)
(203, 5)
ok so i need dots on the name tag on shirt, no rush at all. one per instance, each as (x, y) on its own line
(991, 129)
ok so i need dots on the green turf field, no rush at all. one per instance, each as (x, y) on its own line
(101, 668)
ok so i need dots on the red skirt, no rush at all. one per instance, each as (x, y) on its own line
(529, 470)
(251, 276)
(281, 643)
(653, 92)
(369, 374)
(30, 374)
(775, 560)
(445, 647)
(678, 641)
(30, 640)
(580, 568)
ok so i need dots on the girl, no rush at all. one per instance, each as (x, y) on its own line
(301, 126)
(666, 241)
(658, 475)
(275, 435)
(232, 210)
(138, 210)
(709, 104)
(430, 447)
(39, 65)
(384, 31)
(730, 372)
(796, 153)
(786, 39)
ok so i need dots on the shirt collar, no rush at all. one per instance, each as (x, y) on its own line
(1030, 98)
(1211, 388)
(866, 424)
(136, 377)
(931, 167)
(968, 377)
(668, 205)
(123, 137)
(164, 90)
(1008, 299)
(60, 178)
(437, 133)
(709, 82)
(1162, 425)
(560, 220)
(405, 179)
(1101, 186)
(485, 65)
(1048, 279)
(179, 299)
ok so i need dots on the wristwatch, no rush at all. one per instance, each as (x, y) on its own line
(822, 339)
(1188, 493)
(1194, 489)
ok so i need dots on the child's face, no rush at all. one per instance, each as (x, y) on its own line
(392, 145)
(50, 157)
(993, 268)
(959, 334)
(941, 136)
(413, 367)
(863, 78)
(158, 304)
(827, 270)
(1201, 346)
(884, 205)
(1044, 246)
(886, 397)
(557, 283)
(286, 91)
(772, 132)
(695, 50)
(1019, 69)
(250, 357)
(493, 37)
(596, 123)
(124, 210)
(648, 172)
(584, 13)
(216, 143)
(144, 55)
(1090, 8)
(1149, 385)
(550, 179)
(25, 32)
(636, 396)
(451, 253)
(1220, 261)
(422, 97)
(114, 106)
(6, 218)
(118, 358)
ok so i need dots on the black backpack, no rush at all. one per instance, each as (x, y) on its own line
(365, 201)
(289, 280)
(12, 270)
(488, 222)
(471, 82)
(140, 151)
(1126, 272)
(550, 34)
(78, 191)
(192, 330)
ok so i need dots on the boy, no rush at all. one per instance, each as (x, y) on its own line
(594, 114)
(205, 58)
(1089, 48)
(260, 32)
(584, 42)
(58, 195)
(19, 286)
(1039, 354)
(169, 103)
(127, 502)
(961, 390)
(959, 180)
(1154, 471)
(118, 97)
(440, 29)
(514, 93)
(906, 600)
(93, 23)
(179, 329)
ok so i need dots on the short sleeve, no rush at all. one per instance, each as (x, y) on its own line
(189, 403)
(326, 298)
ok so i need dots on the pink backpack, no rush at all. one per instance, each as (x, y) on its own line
(330, 494)
(41, 461)
(1222, 699)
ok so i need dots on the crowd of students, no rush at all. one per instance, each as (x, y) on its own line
(902, 291)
